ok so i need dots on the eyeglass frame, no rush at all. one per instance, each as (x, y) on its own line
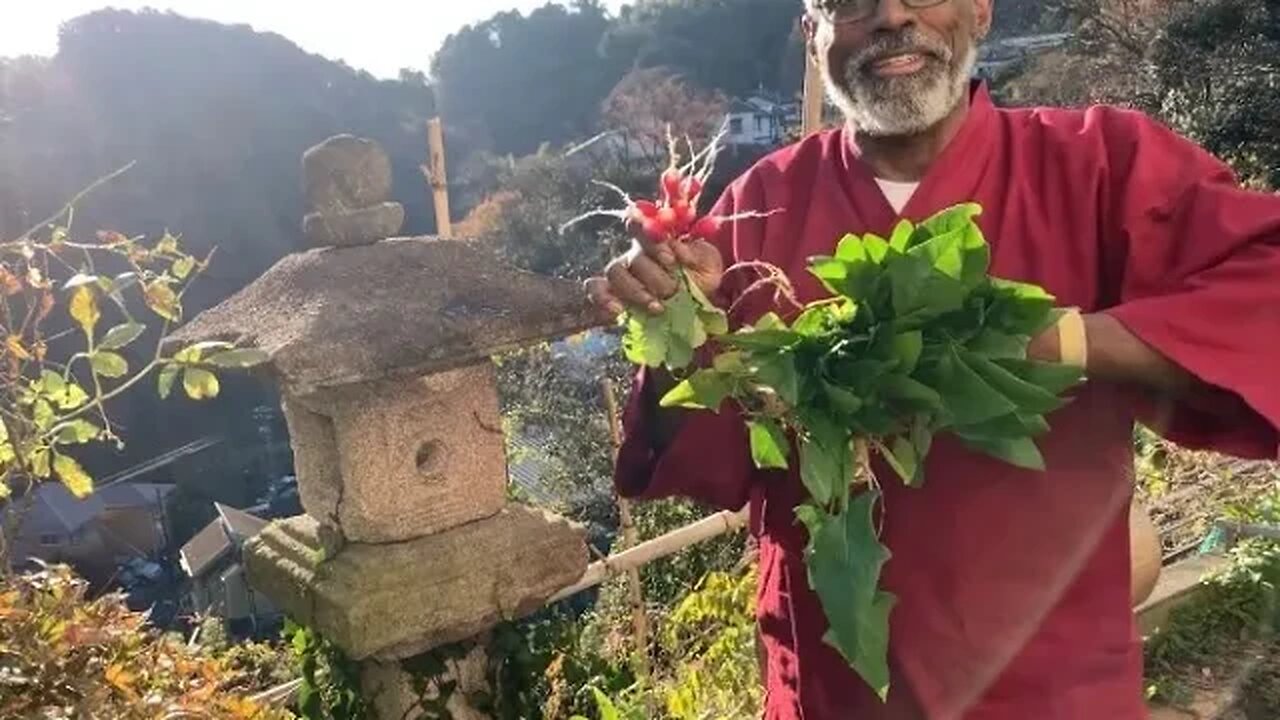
(817, 11)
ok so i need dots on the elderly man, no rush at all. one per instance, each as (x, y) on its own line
(1013, 587)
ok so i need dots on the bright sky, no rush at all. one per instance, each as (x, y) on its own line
(380, 36)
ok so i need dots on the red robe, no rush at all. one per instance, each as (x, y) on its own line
(1013, 586)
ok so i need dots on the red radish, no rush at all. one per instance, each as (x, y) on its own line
(672, 179)
(684, 215)
(669, 218)
(691, 189)
(707, 227)
(654, 230)
(641, 210)
(645, 208)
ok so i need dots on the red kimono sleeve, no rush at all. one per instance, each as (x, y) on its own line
(709, 458)
(1200, 283)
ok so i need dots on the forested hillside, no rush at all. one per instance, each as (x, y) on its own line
(216, 118)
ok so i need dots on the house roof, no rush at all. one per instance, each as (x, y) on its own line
(128, 495)
(204, 549)
(56, 511)
(226, 531)
(239, 523)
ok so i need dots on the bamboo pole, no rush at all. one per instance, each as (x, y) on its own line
(811, 107)
(438, 178)
(630, 538)
(719, 524)
(278, 696)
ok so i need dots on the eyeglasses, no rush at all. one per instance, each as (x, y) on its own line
(841, 12)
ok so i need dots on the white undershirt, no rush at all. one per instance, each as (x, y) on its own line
(897, 193)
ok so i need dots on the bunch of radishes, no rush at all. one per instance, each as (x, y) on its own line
(673, 215)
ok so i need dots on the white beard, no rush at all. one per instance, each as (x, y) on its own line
(899, 106)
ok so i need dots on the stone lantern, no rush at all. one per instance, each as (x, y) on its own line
(381, 347)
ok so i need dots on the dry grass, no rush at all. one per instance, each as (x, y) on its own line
(1186, 491)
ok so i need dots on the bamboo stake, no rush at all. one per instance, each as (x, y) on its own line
(630, 538)
(438, 178)
(811, 107)
(646, 552)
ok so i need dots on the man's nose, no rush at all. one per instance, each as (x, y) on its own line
(892, 15)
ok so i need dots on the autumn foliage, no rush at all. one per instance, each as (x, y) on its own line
(63, 655)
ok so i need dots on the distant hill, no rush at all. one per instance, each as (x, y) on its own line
(217, 118)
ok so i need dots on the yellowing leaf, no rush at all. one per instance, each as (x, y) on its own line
(121, 679)
(4, 495)
(163, 301)
(121, 335)
(167, 244)
(200, 384)
(168, 376)
(109, 364)
(50, 382)
(42, 415)
(73, 476)
(38, 463)
(183, 266)
(16, 348)
(70, 396)
(84, 308)
(77, 432)
(7, 455)
(193, 353)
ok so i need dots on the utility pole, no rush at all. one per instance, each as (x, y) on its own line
(437, 177)
(811, 107)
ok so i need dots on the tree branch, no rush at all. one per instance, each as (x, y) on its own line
(71, 203)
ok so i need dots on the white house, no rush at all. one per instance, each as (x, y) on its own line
(761, 120)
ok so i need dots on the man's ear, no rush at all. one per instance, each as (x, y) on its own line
(810, 28)
(983, 15)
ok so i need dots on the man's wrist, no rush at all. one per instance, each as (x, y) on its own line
(1068, 341)
(1073, 339)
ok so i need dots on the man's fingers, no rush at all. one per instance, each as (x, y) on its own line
(657, 279)
(660, 252)
(625, 287)
(598, 291)
(684, 254)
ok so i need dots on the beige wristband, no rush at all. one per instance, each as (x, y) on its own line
(1073, 342)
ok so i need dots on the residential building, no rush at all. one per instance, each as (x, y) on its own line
(761, 120)
(998, 55)
(213, 560)
(117, 523)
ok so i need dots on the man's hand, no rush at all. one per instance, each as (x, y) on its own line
(642, 277)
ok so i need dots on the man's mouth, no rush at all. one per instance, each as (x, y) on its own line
(898, 64)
